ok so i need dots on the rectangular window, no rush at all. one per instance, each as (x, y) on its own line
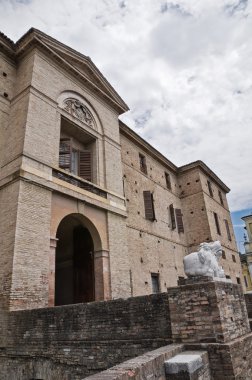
(238, 280)
(246, 282)
(179, 220)
(168, 180)
(216, 219)
(210, 188)
(220, 197)
(228, 277)
(75, 161)
(149, 205)
(65, 154)
(172, 216)
(155, 282)
(228, 230)
(234, 258)
(142, 162)
(223, 254)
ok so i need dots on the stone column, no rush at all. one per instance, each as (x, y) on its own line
(51, 274)
(102, 275)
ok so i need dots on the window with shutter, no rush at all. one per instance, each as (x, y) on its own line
(65, 154)
(179, 219)
(149, 205)
(85, 165)
(228, 230)
(216, 219)
(172, 216)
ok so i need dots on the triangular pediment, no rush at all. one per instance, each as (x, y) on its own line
(82, 65)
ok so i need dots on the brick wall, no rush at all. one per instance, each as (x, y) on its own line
(207, 311)
(8, 215)
(154, 247)
(31, 253)
(248, 300)
(84, 338)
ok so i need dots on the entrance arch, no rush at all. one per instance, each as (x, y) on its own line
(74, 262)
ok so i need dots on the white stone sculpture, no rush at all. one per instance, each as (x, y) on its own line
(205, 261)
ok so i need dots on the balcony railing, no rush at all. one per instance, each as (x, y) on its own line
(81, 183)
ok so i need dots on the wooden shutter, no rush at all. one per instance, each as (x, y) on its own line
(148, 205)
(228, 230)
(172, 215)
(85, 165)
(65, 154)
(179, 218)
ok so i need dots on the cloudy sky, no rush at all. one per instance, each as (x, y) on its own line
(183, 67)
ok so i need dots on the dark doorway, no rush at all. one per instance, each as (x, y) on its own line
(74, 269)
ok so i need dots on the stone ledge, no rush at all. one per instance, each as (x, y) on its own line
(189, 362)
(149, 365)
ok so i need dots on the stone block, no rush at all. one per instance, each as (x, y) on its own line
(184, 362)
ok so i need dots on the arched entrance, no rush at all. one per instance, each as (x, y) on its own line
(74, 264)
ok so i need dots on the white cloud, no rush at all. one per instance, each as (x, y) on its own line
(184, 68)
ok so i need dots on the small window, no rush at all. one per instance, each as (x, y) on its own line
(172, 217)
(228, 277)
(149, 205)
(228, 230)
(210, 188)
(216, 219)
(168, 180)
(246, 282)
(238, 280)
(142, 162)
(223, 254)
(234, 258)
(155, 282)
(221, 198)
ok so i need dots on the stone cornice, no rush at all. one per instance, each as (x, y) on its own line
(202, 166)
(145, 146)
(7, 46)
(35, 38)
(247, 217)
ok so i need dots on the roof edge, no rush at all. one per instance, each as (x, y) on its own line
(178, 170)
(41, 34)
(146, 146)
(200, 164)
(246, 217)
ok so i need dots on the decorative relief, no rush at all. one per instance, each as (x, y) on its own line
(79, 110)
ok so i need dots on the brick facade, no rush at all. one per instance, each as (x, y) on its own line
(131, 254)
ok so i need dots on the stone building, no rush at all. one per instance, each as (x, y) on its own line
(89, 210)
(246, 258)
